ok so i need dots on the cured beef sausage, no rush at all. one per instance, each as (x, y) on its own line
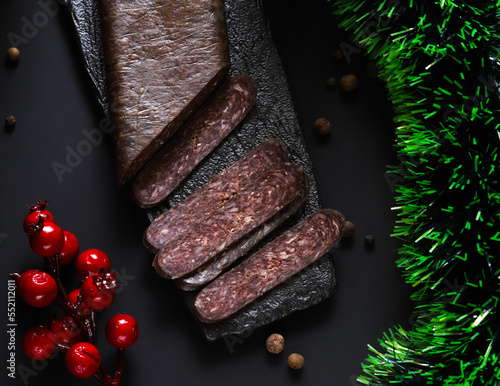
(255, 204)
(213, 194)
(213, 268)
(274, 263)
(199, 135)
(163, 59)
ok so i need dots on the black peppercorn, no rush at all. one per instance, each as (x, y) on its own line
(10, 121)
(331, 81)
(370, 241)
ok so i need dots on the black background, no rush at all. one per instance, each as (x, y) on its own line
(52, 98)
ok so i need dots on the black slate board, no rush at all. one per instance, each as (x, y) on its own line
(252, 53)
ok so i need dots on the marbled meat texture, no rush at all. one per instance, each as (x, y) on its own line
(213, 268)
(256, 203)
(277, 261)
(163, 58)
(200, 134)
(211, 196)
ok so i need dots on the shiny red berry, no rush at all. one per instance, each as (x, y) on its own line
(48, 240)
(69, 249)
(39, 343)
(99, 290)
(91, 261)
(122, 331)
(32, 220)
(73, 298)
(66, 331)
(83, 359)
(21, 279)
(37, 288)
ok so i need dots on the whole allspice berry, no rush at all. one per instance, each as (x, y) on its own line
(295, 361)
(10, 121)
(348, 229)
(349, 82)
(13, 54)
(337, 54)
(322, 126)
(275, 343)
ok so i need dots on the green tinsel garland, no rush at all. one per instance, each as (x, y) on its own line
(440, 62)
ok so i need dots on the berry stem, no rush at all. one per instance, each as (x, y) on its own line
(119, 367)
(84, 320)
(55, 267)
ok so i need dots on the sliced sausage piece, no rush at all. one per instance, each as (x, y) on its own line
(199, 135)
(255, 204)
(213, 268)
(163, 59)
(271, 265)
(213, 194)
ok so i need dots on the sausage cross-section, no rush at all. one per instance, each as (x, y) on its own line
(213, 194)
(254, 205)
(213, 268)
(271, 265)
(197, 137)
(163, 58)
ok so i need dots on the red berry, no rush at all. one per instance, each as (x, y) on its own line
(91, 261)
(37, 288)
(66, 331)
(99, 290)
(73, 298)
(39, 343)
(22, 279)
(83, 360)
(48, 240)
(122, 331)
(32, 220)
(70, 249)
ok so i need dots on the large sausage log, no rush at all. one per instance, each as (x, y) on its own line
(213, 194)
(256, 203)
(163, 58)
(273, 264)
(199, 135)
(213, 268)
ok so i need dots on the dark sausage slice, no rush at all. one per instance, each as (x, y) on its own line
(163, 58)
(213, 194)
(199, 135)
(255, 204)
(213, 268)
(273, 264)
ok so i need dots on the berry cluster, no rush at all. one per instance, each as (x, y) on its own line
(75, 333)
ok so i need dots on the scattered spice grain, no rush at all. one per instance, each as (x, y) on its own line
(10, 121)
(13, 54)
(295, 361)
(322, 126)
(370, 241)
(331, 81)
(348, 229)
(349, 82)
(275, 343)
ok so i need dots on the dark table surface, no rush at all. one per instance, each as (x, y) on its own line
(51, 96)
